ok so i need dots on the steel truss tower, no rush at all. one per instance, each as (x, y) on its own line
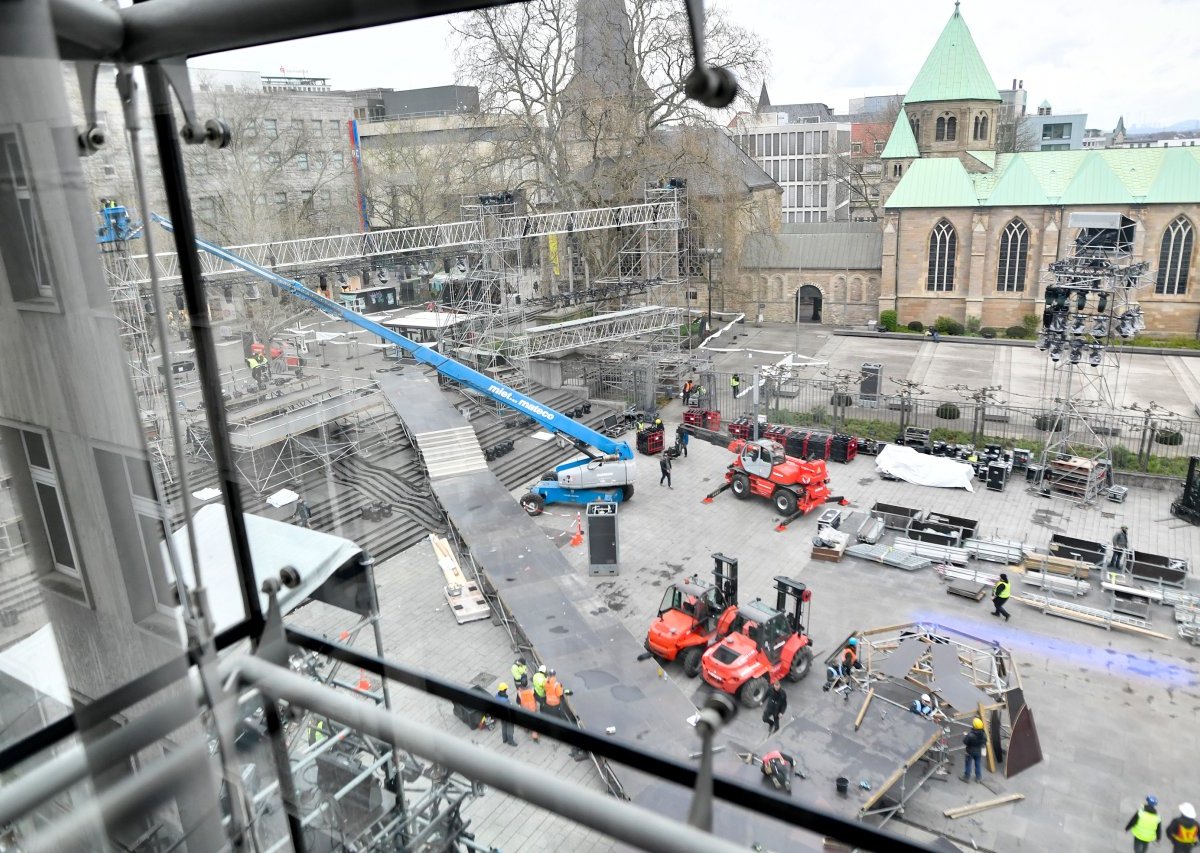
(1090, 307)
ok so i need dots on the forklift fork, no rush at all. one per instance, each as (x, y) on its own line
(709, 497)
(783, 525)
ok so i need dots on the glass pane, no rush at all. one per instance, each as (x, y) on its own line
(35, 448)
(56, 525)
(152, 539)
(141, 478)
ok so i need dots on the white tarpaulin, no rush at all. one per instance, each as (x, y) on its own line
(273, 545)
(923, 469)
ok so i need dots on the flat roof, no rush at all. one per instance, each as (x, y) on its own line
(426, 320)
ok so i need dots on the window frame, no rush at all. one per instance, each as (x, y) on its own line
(50, 478)
(1008, 278)
(1171, 277)
(943, 257)
(41, 294)
(271, 128)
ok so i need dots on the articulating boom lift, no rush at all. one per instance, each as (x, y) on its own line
(605, 474)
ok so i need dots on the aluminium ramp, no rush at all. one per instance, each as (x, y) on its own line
(444, 440)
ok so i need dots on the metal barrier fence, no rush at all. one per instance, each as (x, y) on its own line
(1154, 442)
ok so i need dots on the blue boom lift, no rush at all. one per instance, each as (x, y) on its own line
(606, 472)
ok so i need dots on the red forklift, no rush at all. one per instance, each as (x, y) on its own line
(761, 645)
(691, 614)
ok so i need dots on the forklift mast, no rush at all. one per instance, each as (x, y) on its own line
(785, 587)
(725, 573)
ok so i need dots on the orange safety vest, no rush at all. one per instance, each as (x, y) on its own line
(554, 691)
(526, 698)
(849, 656)
(1186, 834)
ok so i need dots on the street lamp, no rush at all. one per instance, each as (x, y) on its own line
(710, 254)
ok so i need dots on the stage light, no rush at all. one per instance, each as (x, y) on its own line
(382, 276)
(1139, 320)
(341, 277)
(1102, 303)
(1056, 352)
(1077, 325)
(1094, 356)
(1100, 329)
(1061, 298)
(1076, 351)
(1042, 342)
(323, 283)
(1081, 300)
(1059, 323)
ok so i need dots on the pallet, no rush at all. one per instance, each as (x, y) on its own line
(968, 589)
(464, 596)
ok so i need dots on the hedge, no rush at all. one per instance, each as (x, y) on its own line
(1169, 437)
(1018, 332)
(948, 412)
(946, 326)
(916, 326)
(887, 321)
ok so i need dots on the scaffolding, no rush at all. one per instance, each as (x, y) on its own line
(1090, 300)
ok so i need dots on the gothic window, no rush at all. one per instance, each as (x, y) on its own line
(981, 127)
(943, 246)
(939, 129)
(896, 170)
(951, 128)
(1174, 258)
(1014, 254)
(916, 128)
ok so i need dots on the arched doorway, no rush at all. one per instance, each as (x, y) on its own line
(808, 304)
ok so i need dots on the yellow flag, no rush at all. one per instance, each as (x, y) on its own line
(553, 241)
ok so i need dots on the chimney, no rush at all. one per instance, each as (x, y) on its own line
(1014, 85)
(1020, 84)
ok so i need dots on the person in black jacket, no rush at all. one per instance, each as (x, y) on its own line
(1184, 832)
(775, 705)
(974, 741)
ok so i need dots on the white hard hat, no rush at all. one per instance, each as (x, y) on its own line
(925, 698)
(542, 668)
(1188, 810)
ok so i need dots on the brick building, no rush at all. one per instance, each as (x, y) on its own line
(967, 230)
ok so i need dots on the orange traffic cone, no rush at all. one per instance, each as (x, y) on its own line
(577, 539)
(364, 683)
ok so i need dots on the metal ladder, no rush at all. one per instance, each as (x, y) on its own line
(1106, 616)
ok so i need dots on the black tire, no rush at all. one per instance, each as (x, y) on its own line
(627, 492)
(784, 500)
(690, 659)
(550, 475)
(740, 485)
(801, 665)
(533, 504)
(754, 692)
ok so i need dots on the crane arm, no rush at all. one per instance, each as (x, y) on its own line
(584, 437)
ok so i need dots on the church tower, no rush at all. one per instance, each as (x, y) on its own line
(952, 104)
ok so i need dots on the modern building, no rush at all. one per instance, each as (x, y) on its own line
(1046, 131)
(380, 104)
(799, 146)
(968, 228)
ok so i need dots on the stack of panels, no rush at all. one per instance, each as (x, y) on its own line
(888, 556)
(941, 553)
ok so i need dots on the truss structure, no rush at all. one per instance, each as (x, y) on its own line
(626, 325)
(287, 255)
(1090, 307)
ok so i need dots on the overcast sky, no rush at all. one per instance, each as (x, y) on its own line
(1137, 58)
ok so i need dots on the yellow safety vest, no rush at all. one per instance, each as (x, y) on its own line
(1003, 590)
(1146, 828)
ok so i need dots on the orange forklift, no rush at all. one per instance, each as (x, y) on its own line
(761, 645)
(691, 615)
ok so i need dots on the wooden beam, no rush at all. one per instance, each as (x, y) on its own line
(862, 712)
(963, 811)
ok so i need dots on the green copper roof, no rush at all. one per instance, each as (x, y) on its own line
(987, 158)
(1178, 177)
(1074, 178)
(1017, 187)
(954, 70)
(901, 142)
(934, 182)
(1095, 183)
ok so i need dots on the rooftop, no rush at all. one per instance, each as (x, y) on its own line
(954, 70)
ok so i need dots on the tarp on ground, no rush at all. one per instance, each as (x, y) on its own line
(921, 469)
(329, 566)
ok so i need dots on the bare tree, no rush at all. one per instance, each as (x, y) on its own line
(281, 178)
(859, 170)
(409, 180)
(558, 113)
(1014, 134)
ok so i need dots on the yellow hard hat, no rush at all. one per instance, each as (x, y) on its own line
(503, 687)
(978, 723)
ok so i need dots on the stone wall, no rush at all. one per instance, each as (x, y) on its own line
(849, 297)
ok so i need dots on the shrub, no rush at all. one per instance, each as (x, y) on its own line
(947, 412)
(989, 332)
(887, 321)
(946, 326)
(916, 326)
(973, 324)
(1029, 322)
(1046, 422)
(1169, 437)
(1018, 332)
(841, 399)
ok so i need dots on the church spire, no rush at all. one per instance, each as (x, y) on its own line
(605, 65)
(764, 100)
(954, 70)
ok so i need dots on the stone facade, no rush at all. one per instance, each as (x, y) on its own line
(848, 297)
(976, 292)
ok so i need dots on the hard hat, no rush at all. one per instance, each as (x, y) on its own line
(542, 669)
(925, 698)
(1123, 527)
(551, 672)
(503, 687)
(854, 641)
(1188, 810)
(521, 661)
(977, 723)
(1151, 800)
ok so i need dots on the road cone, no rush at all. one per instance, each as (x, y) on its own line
(577, 539)
(364, 683)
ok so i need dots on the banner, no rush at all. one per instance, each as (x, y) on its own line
(552, 240)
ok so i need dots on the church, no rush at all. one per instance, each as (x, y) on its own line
(969, 231)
